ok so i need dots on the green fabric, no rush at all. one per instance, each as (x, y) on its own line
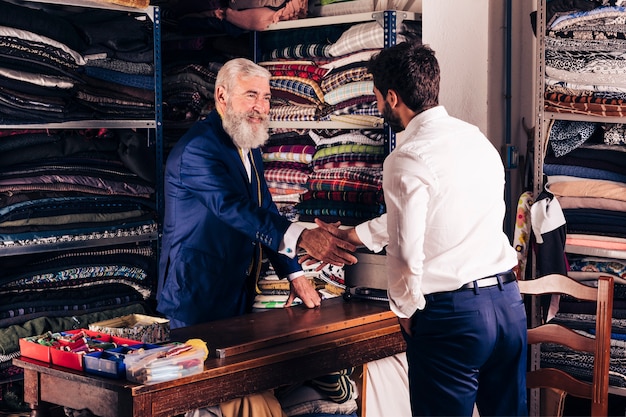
(9, 336)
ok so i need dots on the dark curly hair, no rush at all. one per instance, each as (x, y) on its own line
(411, 70)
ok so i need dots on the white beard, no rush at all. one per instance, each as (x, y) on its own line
(245, 134)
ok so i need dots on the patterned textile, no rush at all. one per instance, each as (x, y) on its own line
(312, 72)
(580, 364)
(328, 137)
(294, 112)
(597, 107)
(361, 36)
(348, 91)
(340, 209)
(301, 87)
(298, 52)
(299, 166)
(290, 153)
(365, 197)
(615, 267)
(367, 107)
(286, 175)
(567, 135)
(522, 233)
(346, 160)
(364, 174)
(585, 62)
(340, 185)
(615, 134)
(349, 148)
(358, 120)
(339, 78)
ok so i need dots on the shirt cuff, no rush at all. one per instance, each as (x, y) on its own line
(288, 246)
(371, 234)
(295, 275)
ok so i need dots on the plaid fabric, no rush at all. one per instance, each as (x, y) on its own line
(365, 174)
(364, 197)
(290, 176)
(348, 91)
(312, 72)
(287, 165)
(301, 87)
(340, 185)
(303, 149)
(294, 112)
(366, 100)
(330, 136)
(346, 164)
(287, 156)
(340, 78)
(358, 119)
(287, 193)
(299, 51)
(360, 108)
(361, 36)
(276, 185)
(348, 159)
(339, 208)
(350, 148)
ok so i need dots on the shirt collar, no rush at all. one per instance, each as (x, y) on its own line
(415, 123)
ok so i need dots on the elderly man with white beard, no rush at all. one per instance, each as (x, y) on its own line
(219, 215)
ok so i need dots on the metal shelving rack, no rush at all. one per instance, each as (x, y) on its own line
(543, 119)
(155, 139)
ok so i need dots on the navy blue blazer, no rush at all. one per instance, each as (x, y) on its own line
(212, 222)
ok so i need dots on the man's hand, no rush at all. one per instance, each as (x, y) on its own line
(405, 323)
(326, 247)
(348, 235)
(302, 288)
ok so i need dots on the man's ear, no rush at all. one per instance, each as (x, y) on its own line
(220, 94)
(392, 98)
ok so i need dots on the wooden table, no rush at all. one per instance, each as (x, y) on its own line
(249, 354)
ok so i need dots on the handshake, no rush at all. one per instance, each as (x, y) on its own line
(329, 244)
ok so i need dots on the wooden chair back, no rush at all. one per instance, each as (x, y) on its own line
(560, 382)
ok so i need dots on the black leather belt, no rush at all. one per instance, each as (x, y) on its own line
(504, 278)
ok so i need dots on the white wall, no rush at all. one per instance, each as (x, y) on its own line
(469, 39)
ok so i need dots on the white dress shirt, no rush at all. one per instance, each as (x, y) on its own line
(444, 193)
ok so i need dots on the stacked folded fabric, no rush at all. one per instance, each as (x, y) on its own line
(57, 66)
(287, 160)
(321, 74)
(346, 182)
(585, 54)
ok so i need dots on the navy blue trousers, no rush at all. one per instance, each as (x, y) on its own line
(469, 346)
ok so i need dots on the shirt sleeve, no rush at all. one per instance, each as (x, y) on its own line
(373, 233)
(288, 246)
